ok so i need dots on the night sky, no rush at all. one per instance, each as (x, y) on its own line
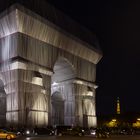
(116, 24)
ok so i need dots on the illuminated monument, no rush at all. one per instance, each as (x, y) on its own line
(118, 110)
(47, 74)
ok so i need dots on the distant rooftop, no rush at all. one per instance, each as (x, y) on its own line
(52, 14)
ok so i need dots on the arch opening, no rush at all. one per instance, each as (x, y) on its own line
(62, 93)
(2, 104)
(57, 108)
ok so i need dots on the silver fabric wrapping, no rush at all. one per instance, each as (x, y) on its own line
(35, 54)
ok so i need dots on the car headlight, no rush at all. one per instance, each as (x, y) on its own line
(18, 133)
(93, 133)
(27, 132)
(13, 136)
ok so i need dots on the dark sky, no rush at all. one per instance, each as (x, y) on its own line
(117, 26)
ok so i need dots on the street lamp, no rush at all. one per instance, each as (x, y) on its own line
(112, 123)
(138, 119)
(114, 120)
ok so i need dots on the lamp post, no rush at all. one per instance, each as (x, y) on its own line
(112, 123)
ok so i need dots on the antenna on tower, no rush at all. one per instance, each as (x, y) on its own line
(118, 106)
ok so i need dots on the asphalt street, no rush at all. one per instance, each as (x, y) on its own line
(120, 137)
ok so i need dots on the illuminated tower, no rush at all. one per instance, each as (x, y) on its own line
(118, 106)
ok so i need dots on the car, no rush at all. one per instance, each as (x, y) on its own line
(101, 133)
(126, 131)
(43, 131)
(22, 131)
(4, 134)
(34, 131)
(69, 130)
(89, 131)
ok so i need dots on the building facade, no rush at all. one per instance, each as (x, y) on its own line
(47, 75)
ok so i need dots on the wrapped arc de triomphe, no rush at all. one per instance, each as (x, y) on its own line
(47, 75)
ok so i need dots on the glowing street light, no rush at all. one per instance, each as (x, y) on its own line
(112, 123)
(138, 119)
(114, 120)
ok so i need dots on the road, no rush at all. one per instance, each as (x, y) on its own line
(126, 137)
